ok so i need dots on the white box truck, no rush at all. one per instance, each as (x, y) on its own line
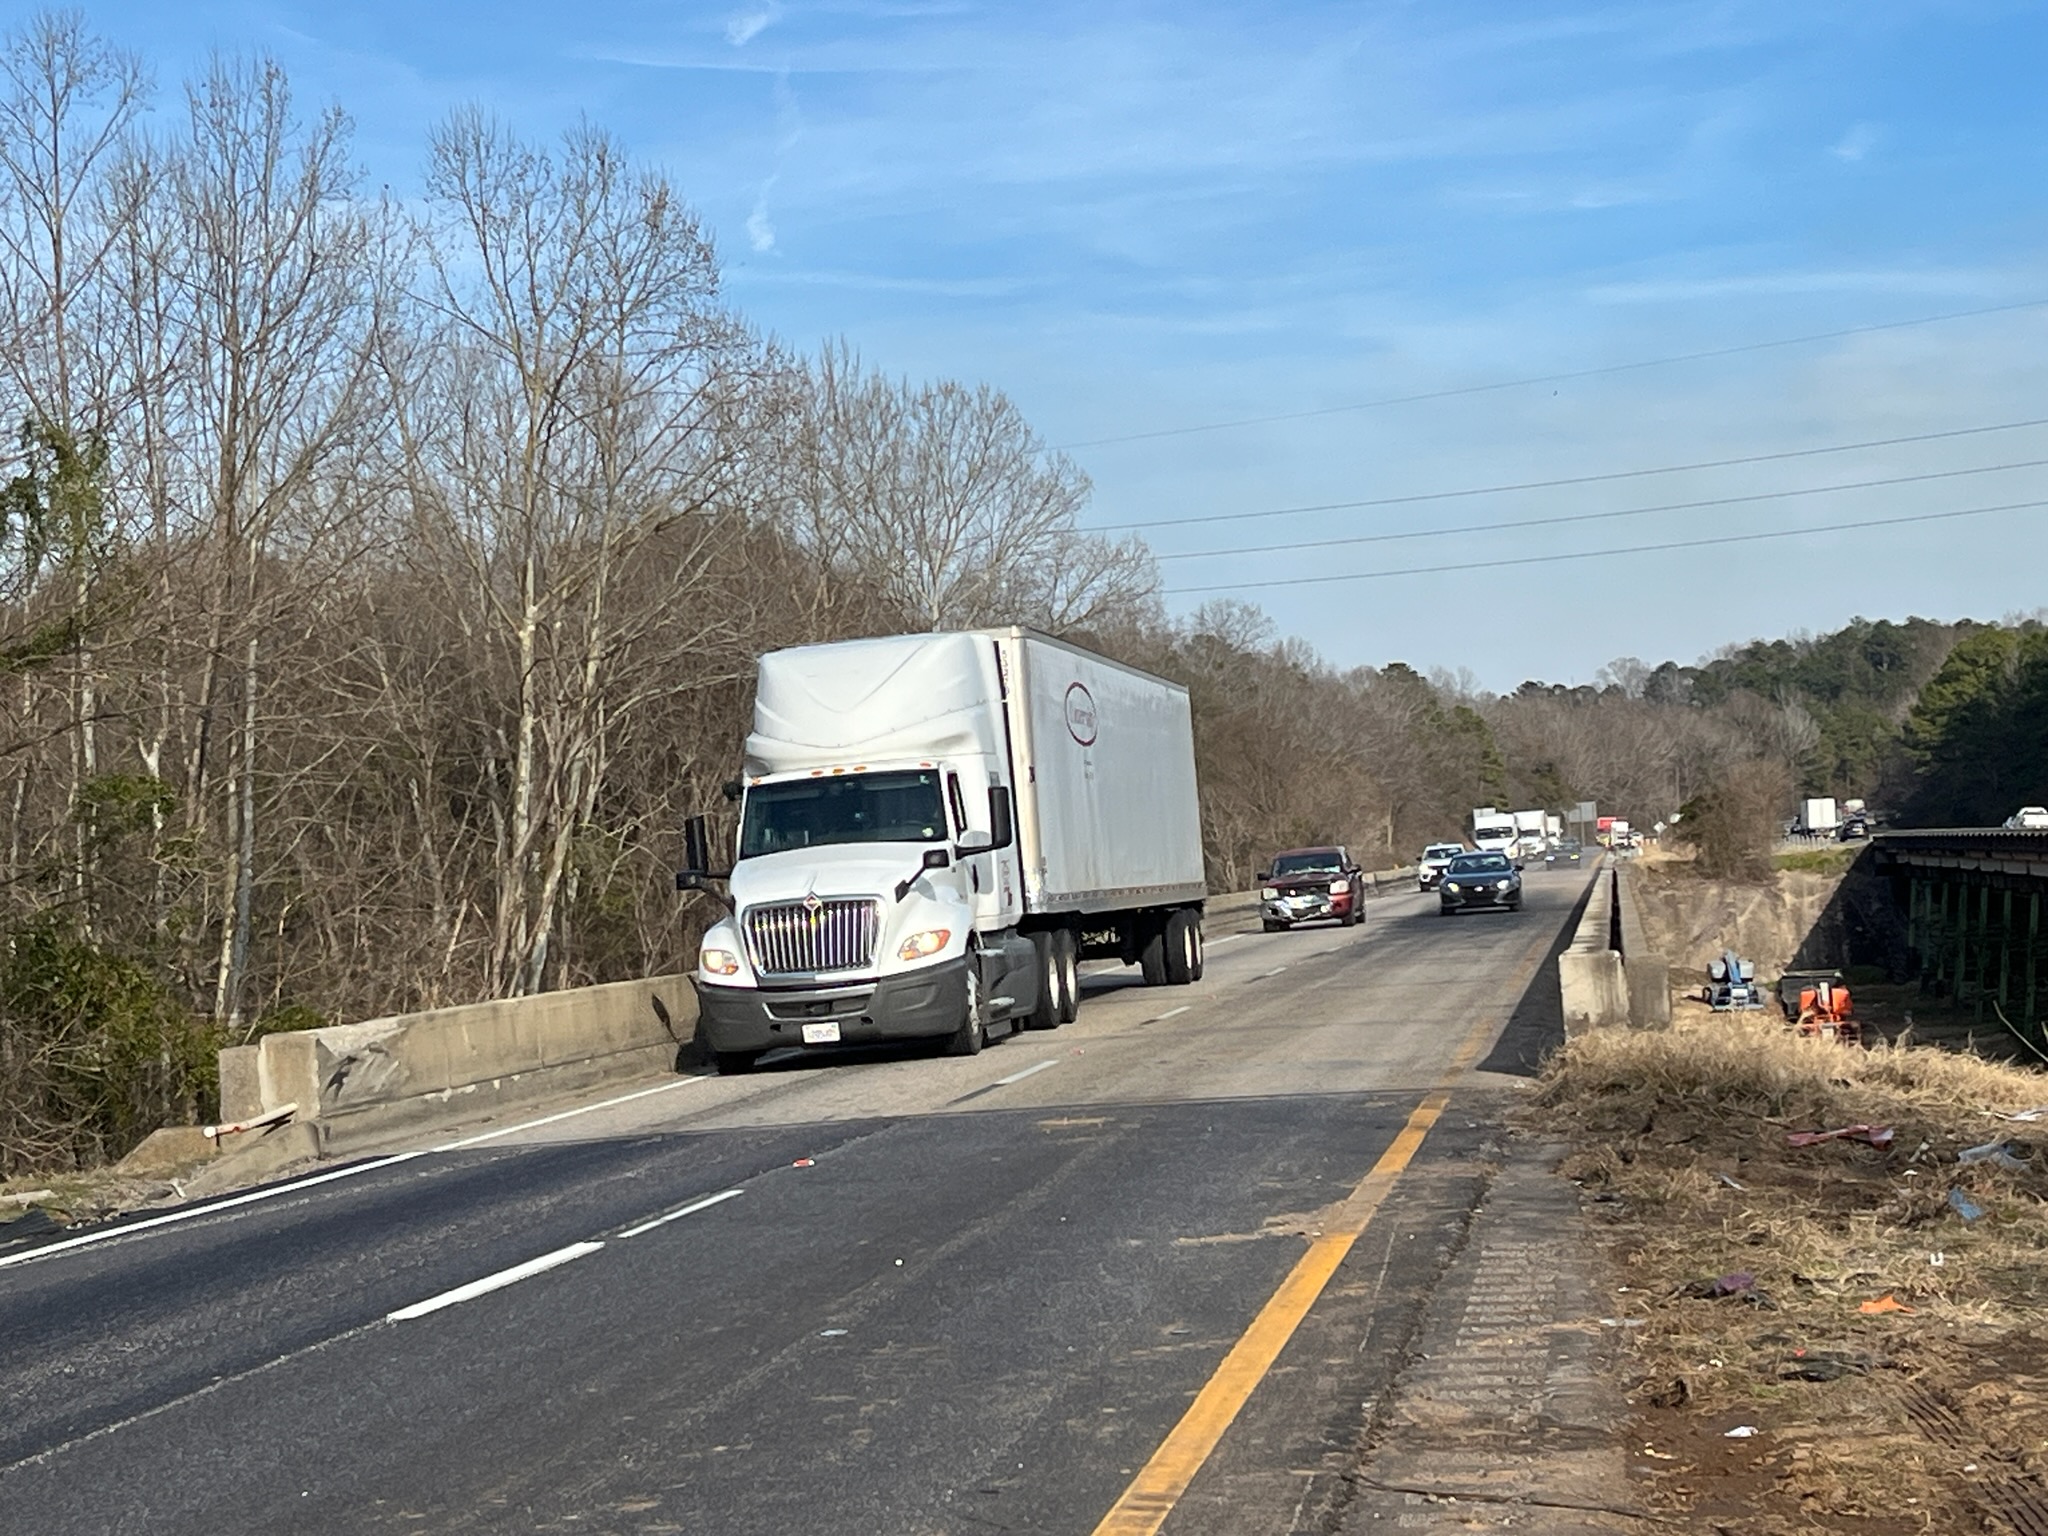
(1493, 831)
(934, 830)
(1817, 816)
(1530, 842)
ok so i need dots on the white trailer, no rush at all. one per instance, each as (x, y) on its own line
(1817, 816)
(934, 830)
(1530, 842)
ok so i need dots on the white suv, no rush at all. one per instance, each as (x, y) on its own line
(2028, 818)
(1429, 869)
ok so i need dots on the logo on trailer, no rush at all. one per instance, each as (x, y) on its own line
(1081, 714)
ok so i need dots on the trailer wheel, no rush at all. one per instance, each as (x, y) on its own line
(735, 1063)
(1183, 948)
(972, 1034)
(1070, 975)
(1152, 953)
(1201, 949)
(1045, 1013)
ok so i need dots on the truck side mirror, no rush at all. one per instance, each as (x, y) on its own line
(696, 850)
(732, 789)
(934, 858)
(1002, 825)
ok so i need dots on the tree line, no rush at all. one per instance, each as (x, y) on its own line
(381, 584)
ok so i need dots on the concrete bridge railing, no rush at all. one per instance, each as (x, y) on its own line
(1608, 975)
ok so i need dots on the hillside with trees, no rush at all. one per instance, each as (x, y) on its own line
(380, 588)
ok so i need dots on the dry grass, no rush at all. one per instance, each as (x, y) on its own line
(1665, 1124)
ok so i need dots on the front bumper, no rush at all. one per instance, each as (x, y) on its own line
(1428, 879)
(914, 1006)
(1307, 907)
(1480, 896)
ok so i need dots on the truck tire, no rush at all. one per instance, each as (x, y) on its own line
(1152, 954)
(1045, 1013)
(1183, 948)
(972, 1034)
(1070, 975)
(735, 1063)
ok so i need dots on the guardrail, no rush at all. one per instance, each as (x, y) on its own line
(361, 1083)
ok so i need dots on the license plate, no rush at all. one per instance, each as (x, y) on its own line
(822, 1034)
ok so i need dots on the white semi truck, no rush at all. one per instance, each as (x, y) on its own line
(934, 830)
(1530, 839)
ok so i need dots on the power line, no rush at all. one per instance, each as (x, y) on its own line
(1597, 517)
(1602, 554)
(1595, 479)
(1553, 378)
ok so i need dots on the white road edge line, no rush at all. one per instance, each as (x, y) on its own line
(1273, 972)
(1171, 1013)
(489, 1283)
(689, 1210)
(273, 1191)
(1228, 938)
(1018, 1077)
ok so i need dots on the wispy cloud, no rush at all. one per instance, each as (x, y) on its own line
(1856, 143)
(1774, 284)
(760, 229)
(747, 25)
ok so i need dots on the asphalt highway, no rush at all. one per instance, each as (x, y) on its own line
(851, 1292)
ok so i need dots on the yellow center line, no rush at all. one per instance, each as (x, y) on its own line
(1157, 1488)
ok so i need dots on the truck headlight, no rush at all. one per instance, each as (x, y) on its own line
(718, 962)
(1339, 887)
(1267, 893)
(918, 945)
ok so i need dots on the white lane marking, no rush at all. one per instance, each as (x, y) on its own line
(1228, 938)
(1018, 1077)
(497, 1282)
(689, 1210)
(1273, 972)
(1171, 1013)
(273, 1191)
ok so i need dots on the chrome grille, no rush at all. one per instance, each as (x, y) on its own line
(794, 938)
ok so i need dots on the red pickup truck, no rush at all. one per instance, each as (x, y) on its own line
(1307, 884)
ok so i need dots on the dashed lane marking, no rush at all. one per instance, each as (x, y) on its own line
(497, 1282)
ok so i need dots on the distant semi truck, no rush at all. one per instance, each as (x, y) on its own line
(934, 830)
(1817, 817)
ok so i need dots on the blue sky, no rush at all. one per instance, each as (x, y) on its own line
(1140, 218)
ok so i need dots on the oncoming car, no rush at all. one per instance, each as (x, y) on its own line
(2028, 818)
(1309, 883)
(1481, 880)
(1430, 867)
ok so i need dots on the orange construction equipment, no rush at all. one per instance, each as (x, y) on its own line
(1824, 1009)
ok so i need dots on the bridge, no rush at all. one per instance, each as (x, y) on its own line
(1971, 898)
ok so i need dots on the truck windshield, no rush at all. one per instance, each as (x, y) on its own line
(849, 808)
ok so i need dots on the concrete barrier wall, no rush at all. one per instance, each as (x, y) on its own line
(1608, 975)
(363, 1082)
(1649, 973)
(1590, 977)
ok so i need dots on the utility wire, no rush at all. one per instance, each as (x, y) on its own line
(1597, 517)
(1597, 479)
(1602, 554)
(1554, 378)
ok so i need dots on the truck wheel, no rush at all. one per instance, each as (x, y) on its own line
(972, 1034)
(1152, 955)
(1183, 957)
(735, 1063)
(1070, 976)
(1201, 949)
(1045, 1013)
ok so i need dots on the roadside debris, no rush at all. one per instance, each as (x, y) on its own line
(1876, 1135)
(1964, 1206)
(269, 1118)
(1732, 1183)
(1741, 1283)
(1883, 1304)
(805, 1162)
(2038, 1112)
(1996, 1153)
(1826, 1365)
(1739, 1432)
